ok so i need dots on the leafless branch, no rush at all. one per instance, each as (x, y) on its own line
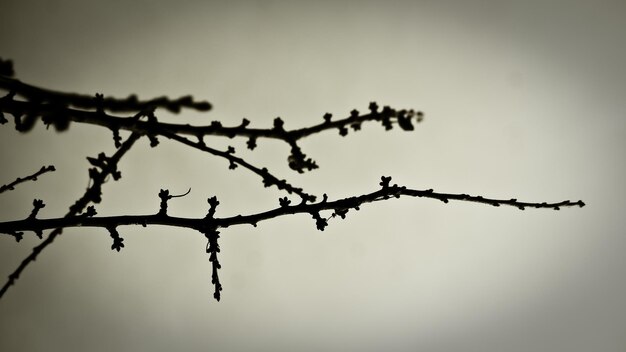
(93, 194)
(59, 109)
(200, 224)
(131, 103)
(33, 177)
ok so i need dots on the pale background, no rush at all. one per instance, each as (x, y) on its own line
(522, 99)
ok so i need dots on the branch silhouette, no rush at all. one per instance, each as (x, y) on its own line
(340, 208)
(93, 194)
(131, 103)
(60, 109)
(33, 177)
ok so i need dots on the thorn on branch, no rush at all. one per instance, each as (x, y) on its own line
(327, 116)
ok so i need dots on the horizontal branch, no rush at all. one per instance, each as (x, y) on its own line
(55, 112)
(340, 208)
(131, 103)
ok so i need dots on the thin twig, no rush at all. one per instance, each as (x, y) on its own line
(33, 177)
(268, 178)
(91, 195)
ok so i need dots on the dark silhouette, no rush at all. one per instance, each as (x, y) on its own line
(60, 109)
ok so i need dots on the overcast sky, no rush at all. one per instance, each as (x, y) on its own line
(522, 99)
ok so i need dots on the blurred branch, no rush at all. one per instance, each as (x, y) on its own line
(57, 114)
(130, 103)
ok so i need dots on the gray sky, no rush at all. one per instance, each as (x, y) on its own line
(522, 99)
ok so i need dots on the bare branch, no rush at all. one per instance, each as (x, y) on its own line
(93, 194)
(131, 103)
(33, 177)
(60, 109)
(338, 206)
(268, 178)
(387, 117)
(208, 225)
(6, 68)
